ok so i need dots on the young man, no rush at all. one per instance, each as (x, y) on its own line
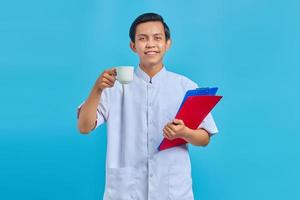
(139, 115)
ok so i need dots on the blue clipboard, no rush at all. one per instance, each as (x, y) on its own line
(200, 92)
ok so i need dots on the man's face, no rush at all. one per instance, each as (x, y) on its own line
(150, 43)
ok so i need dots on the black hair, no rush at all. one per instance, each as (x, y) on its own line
(148, 17)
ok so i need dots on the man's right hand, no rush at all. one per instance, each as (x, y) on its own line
(88, 111)
(106, 79)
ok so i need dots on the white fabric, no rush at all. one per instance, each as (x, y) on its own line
(135, 116)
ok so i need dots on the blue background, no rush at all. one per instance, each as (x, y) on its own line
(51, 53)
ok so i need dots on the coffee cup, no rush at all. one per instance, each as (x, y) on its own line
(125, 74)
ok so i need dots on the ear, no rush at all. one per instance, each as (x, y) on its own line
(169, 44)
(132, 46)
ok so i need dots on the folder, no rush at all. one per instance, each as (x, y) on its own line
(196, 105)
(199, 91)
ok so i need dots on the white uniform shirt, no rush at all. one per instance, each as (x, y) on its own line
(135, 116)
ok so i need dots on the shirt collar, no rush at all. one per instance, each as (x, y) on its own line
(155, 79)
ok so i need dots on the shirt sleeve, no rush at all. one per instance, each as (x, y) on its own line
(102, 109)
(209, 124)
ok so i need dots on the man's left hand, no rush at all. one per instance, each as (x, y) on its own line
(174, 129)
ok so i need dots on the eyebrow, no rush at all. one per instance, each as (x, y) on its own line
(145, 35)
(142, 35)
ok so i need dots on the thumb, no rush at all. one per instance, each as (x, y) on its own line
(178, 121)
(113, 71)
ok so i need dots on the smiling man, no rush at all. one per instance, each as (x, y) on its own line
(150, 40)
(139, 115)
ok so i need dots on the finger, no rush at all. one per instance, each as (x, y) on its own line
(109, 77)
(108, 81)
(165, 131)
(167, 127)
(169, 136)
(112, 71)
(170, 124)
(172, 127)
(166, 134)
(170, 132)
(105, 85)
(177, 121)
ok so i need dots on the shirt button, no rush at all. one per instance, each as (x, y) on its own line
(151, 175)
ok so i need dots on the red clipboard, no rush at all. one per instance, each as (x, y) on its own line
(193, 112)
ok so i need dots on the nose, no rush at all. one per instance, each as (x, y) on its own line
(150, 43)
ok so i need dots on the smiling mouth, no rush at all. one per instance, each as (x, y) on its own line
(151, 52)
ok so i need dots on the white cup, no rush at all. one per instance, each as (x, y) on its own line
(125, 74)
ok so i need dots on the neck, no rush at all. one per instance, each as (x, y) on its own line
(151, 70)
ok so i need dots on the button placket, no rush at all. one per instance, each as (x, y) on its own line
(150, 140)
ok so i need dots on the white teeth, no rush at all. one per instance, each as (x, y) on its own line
(151, 52)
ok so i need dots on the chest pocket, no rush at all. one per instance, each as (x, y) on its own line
(120, 184)
(180, 184)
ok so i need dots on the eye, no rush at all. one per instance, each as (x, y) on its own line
(141, 38)
(157, 38)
